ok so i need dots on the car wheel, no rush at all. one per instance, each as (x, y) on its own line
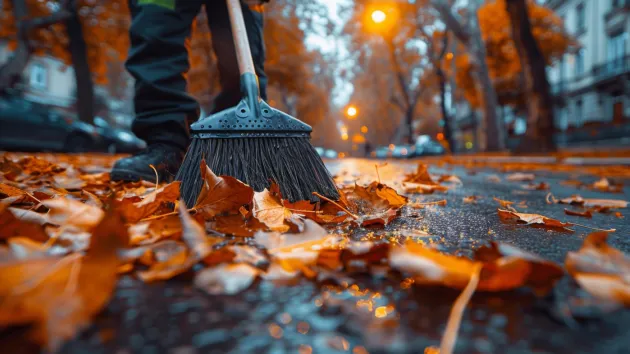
(77, 143)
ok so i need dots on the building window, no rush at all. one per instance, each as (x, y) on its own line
(579, 62)
(39, 76)
(580, 18)
(578, 112)
(616, 49)
(617, 4)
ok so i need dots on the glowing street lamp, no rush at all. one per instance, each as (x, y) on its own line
(378, 16)
(352, 112)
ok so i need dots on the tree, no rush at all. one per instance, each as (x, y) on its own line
(469, 35)
(398, 59)
(85, 33)
(504, 63)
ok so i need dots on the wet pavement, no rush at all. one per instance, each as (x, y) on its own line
(378, 314)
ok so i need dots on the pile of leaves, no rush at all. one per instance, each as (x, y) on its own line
(68, 233)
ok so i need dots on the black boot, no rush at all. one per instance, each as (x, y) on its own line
(165, 158)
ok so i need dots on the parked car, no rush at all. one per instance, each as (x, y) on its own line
(427, 146)
(29, 126)
(117, 140)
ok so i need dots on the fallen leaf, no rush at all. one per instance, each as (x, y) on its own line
(7, 191)
(12, 226)
(520, 177)
(471, 199)
(604, 185)
(68, 182)
(270, 211)
(585, 214)
(221, 194)
(533, 219)
(60, 296)
(421, 176)
(91, 199)
(66, 211)
(423, 188)
(450, 179)
(542, 186)
(493, 179)
(228, 279)
(503, 203)
(23, 248)
(619, 215)
(237, 225)
(194, 235)
(603, 271)
(137, 211)
(597, 203)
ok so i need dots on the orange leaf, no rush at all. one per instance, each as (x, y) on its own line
(597, 203)
(602, 270)
(533, 219)
(66, 211)
(137, 211)
(585, 214)
(237, 225)
(12, 226)
(421, 176)
(270, 211)
(221, 194)
(520, 177)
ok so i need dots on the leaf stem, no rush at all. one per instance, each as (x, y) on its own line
(337, 205)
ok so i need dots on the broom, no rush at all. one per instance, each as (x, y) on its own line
(254, 142)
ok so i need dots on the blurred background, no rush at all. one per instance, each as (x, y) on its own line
(374, 78)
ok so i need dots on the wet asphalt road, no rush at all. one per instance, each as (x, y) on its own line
(172, 317)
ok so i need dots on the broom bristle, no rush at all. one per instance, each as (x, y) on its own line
(292, 163)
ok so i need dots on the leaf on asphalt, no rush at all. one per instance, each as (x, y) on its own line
(12, 226)
(7, 191)
(237, 225)
(137, 211)
(421, 176)
(65, 211)
(596, 203)
(432, 267)
(228, 279)
(450, 179)
(375, 204)
(542, 186)
(533, 219)
(604, 185)
(471, 199)
(270, 210)
(543, 274)
(600, 269)
(503, 203)
(418, 188)
(493, 179)
(585, 214)
(394, 199)
(618, 215)
(223, 194)
(60, 296)
(520, 177)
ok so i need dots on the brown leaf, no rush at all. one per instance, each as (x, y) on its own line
(226, 279)
(60, 296)
(602, 270)
(92, 199)
(12, 226)
(533, 219)
(221, 194)
(585, 214)
(542, 186)
(597, 203)
(543, 275)
(503, 203)
(450, 179)
(604, 185)
(137, 211)
(389, 194)
(10, 191)
(619, 215)
(429, 266)
(376, 204)
(421, 176)
(471, 199)
(379, 219)
(23, 248)
(520, 177)
(66, 211)
(269, 210)
(237, 225)
(194, 235)
(494, 179)
(68, 182)
(423, 188)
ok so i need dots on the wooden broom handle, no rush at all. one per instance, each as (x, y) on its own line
(239, 33)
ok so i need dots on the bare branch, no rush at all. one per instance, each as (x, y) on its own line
(451, 21)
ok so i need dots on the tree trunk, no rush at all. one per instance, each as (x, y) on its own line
(539, 135)
(448, 132)
(82, 74)
(409, 125)
(11, 71)
(494, 127)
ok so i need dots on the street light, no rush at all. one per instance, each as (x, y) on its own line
(378, 16)
(352, 112)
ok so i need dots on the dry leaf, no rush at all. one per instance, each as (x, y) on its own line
(7, 191)
(66, 211)
(226, 279)
(602, 270)
(270, 211)
(12, 226)
(520, 177)
(421, 176)
(596, 203)
(61, 295)
(137, 211)
(423, 188)
(450, 179)
(533, 219)
(23, 248)
(68, 182)
(503, 203)
(542, 186)
(494, 179)
(221, 194)
(237, 225)
(585, 214)
(471, 199)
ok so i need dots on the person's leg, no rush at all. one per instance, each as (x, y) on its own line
(223, 44)
(158, 61)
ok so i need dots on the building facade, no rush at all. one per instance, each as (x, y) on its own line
(591, 87)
